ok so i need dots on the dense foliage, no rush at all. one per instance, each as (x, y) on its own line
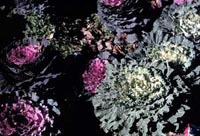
(113, 68)
(137, 97)
(140, 96)
(128, 16)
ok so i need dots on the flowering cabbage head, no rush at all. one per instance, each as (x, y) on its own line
(94, 75)
(136, 98)
(25, 58)
(23, 54)
(22, 118)
(190, 25)
(176, 50)
(113, 2)
(181, 19)
(138, 84)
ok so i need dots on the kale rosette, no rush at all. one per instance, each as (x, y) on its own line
(137, 99)
(178, 51)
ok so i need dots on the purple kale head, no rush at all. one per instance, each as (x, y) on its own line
(24, 54)
(94, 75)
(22, 118)
(113, 3)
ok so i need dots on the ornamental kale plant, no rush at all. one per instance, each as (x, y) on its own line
(176, 50)
(93, 77)
(138, 98)
(181, 19)
(22, 117)
(24, 63)
(128, 16)
(24, 54)
(24, 51)
(25, 58)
